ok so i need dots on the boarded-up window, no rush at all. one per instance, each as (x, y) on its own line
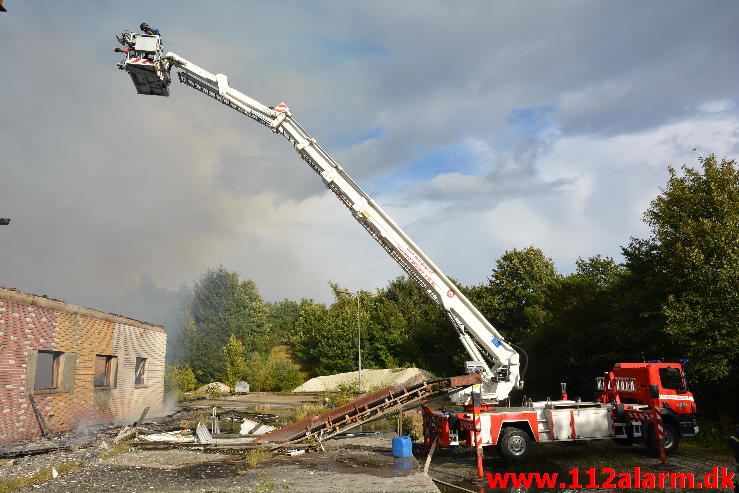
(140, 371)
(105, 370)
(47, 370)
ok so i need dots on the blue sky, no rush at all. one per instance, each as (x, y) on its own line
(479, 126)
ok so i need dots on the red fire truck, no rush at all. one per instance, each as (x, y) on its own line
(636, 403)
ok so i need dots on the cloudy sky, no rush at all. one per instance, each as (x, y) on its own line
(479, 126)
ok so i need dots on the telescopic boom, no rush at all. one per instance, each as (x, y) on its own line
(490, 354)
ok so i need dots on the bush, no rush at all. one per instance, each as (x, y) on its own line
(179, 378)
(273, 373)
(283, 375)
(412, 427)
(336, 399)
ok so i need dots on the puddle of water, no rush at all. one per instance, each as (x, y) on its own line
(403, 463)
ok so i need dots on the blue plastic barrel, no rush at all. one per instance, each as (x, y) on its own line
(402, 447)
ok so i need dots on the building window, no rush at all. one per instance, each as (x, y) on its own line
(106, 369)
(47, 370)
(140, 374)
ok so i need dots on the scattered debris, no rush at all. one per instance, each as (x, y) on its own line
(9, 462)
(32, 451)
(291, 453)
(215, 427)
(203, 434)
(358, 434)
(181, 436)
(39, 417)
(126, 432)
(249, 427)
(141, 417)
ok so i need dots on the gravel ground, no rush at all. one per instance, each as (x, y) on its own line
(363, 464)
(457, 465)
(357, 464)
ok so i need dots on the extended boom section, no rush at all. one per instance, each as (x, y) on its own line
(492, 357)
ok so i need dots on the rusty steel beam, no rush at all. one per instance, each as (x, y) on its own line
(388, 400)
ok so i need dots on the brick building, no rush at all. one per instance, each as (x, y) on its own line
(78, 366)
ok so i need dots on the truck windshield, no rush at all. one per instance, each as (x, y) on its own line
(671, 379)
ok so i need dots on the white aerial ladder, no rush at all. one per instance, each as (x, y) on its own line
(492, 356)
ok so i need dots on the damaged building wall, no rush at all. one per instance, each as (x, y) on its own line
(79, 366)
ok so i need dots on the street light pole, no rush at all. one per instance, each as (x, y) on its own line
(359, 334)
(359, 345)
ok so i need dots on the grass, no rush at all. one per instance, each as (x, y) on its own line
(712, 436)
(265, 484)
(189, 423)
(17, 484)
(116, 449)
(369, 462)
(256, 456)
(308, 409)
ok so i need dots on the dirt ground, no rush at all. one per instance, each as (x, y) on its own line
(257, 400)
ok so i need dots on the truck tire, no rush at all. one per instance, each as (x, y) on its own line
(672, 438)
(514, 444)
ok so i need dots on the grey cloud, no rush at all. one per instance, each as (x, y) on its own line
(104, 185)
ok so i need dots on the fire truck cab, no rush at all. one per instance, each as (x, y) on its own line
(660, 386)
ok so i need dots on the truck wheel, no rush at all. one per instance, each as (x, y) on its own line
(672, 438)
(514, 444)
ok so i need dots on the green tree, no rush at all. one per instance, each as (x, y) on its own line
(336, 344)
(578, 339)
(430, 341)
(252, 312)
(179, 378)
(222, 306)
(236, 367)
(484, 298)
(687, 271)
(309, 330)
(518, 283)
(282, 319)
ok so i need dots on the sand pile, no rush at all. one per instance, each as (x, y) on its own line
(214, 388)
(371, 379)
